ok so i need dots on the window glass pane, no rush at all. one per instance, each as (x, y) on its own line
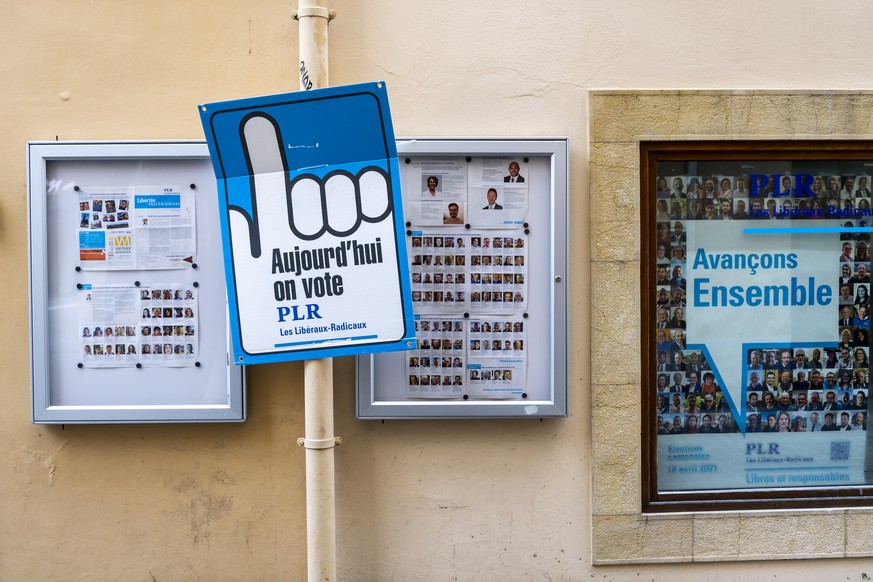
(762, 331)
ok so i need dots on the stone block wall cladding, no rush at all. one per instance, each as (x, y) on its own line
(619, 120)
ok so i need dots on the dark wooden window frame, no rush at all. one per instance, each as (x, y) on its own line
(654, 501)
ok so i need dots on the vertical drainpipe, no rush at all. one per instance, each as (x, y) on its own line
(319, 441)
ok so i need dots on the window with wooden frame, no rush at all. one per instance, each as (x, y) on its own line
(755, 300)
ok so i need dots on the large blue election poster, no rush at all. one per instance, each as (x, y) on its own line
(312, 223)
(762, 329)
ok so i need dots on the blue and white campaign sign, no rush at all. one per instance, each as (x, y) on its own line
(312, 224)
(757, 289)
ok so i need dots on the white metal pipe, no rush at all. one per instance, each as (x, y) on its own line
(313, 16)
(319, 441)
(320, 473)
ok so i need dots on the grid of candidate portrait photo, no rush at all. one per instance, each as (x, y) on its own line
(689, 398)
(441, 365)
(750, 197)
(439, 362)
(469, 293)
(819, 388)
(468, 271)
(168, 326)
(793, 389)
(468, 242)
(112, 342)
(161, 328)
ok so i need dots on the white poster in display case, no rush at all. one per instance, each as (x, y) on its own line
(486, 243)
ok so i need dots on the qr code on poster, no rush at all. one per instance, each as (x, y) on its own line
(839, 451)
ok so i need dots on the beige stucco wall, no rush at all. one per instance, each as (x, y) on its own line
(466, 500)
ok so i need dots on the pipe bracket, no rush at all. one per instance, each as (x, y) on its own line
(315, 11)
(319, 443)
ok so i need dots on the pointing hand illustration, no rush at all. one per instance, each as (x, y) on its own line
(306, 207)
(304, 215)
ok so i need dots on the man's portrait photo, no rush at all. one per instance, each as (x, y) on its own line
(453, 216)
(513, 176)
(492, 200)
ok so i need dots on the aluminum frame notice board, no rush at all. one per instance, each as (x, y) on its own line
(127, 296)
(487, 244)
